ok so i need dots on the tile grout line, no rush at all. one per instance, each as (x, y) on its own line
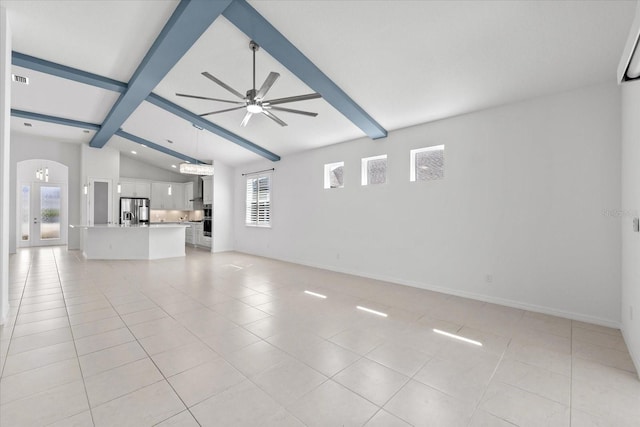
(13, 327)
(164, 377)
(493, 374)
(84, 385)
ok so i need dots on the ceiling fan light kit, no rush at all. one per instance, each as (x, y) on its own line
(253, 102)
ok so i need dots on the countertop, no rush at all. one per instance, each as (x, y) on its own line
(119, 226)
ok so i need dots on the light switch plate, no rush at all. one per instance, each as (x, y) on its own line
(636, 225)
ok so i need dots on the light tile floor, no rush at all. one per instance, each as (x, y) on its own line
(233, 340)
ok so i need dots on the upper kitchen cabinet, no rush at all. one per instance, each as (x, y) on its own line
(160, 198)
(135, 189)
(207, 190)
(176, 199)
(179, 198)
(188, 196)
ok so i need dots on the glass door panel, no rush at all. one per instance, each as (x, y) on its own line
(50, 205)
(25, 212)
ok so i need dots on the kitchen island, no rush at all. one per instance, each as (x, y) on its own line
(155, 241)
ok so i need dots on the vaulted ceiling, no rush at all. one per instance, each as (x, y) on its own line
(107, 72)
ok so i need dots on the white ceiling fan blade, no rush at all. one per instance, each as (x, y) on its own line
(271, 79)
(224, 85)
(273, 117)
(289, 110)
(221, 111)
(293, 99)
(246, 118)
(209, 99)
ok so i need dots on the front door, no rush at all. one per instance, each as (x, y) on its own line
(43, 216)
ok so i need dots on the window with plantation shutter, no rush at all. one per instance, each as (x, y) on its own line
(258, 202)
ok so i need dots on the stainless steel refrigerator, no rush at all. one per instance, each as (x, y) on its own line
(134, 210)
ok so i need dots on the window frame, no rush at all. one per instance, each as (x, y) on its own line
(328, 169)
(364, 169)
(259, 212)
(413, 175)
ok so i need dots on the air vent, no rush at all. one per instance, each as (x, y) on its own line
(20, 79)
(29, 125)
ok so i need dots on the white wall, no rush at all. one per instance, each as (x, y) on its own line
(631, 209)
(131, 168)
(5, 124)
(25, 147)
(223, 226)
(524, 198)
(102, 163)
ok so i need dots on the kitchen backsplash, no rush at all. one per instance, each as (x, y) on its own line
(175, 216)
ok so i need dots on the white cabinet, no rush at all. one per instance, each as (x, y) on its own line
(207, 190)
(143, 189)
(175, 200)
(197, 237)
(188, 196)
(179, 198)
(190, 235)
(205, 241)
(159, 194)
(135, 189)
(127, 189)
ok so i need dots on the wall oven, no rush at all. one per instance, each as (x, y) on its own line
(207, 220)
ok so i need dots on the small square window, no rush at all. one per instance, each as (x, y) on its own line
(374, 170)
(427, 164)
(334, 175)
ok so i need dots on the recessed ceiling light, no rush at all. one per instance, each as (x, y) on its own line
(142, 145)
(174, 166)
(85, 131)
(133, 152)
(28, 124)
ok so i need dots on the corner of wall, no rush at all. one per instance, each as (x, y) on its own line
(630, 209)
(5, 159)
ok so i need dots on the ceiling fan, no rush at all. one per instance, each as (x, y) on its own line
(254, 101)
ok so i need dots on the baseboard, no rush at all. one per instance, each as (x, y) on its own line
(465, 294)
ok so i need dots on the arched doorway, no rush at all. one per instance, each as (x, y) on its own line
(42, 217)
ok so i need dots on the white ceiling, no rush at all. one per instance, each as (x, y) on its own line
(403, 62)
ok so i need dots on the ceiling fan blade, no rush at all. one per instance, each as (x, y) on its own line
(289, 110)
(274, 118)
(293, 99)
(222, 111)
(224, 85)
(271, 79)
(208, 99)
(246, 118)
